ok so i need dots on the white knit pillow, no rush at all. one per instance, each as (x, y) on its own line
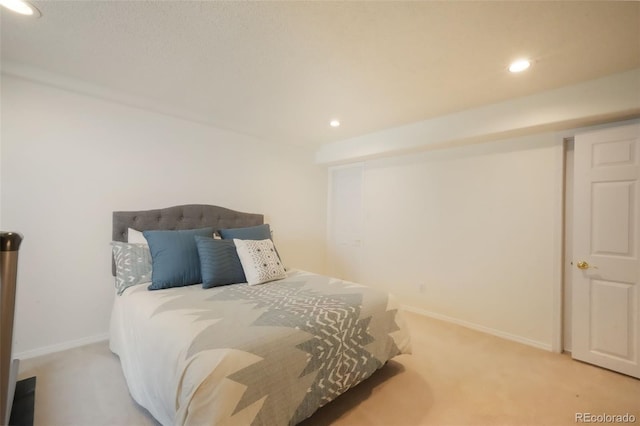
(260, 261)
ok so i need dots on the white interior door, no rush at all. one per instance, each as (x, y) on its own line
(345, 222)
(605, 323)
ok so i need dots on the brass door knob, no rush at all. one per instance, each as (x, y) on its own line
(582, 265)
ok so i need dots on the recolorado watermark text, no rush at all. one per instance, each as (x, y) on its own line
(604, 418)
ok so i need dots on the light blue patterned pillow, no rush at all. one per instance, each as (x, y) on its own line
(133, 264)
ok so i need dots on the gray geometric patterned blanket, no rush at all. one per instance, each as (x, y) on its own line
(270, 354)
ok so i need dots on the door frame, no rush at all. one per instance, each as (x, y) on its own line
(567, 283)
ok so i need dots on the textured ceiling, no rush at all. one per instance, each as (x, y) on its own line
(282, 70)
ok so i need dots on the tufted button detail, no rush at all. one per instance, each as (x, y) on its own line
(135, 218)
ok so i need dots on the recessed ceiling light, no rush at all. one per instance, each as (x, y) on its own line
(334, 123)
(519, 65)
(21, 7)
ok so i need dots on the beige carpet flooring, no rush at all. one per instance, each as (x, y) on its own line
(455, 376)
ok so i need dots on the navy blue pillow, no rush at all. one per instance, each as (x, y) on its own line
(174, 257)
(260, 232)
(219, 262)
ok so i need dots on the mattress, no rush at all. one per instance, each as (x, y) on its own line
(270, 354)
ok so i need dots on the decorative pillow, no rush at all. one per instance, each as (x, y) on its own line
(219, 262)
(136, 237)
(133, 264)
(174, 257)
(260, 261)
(260, 232)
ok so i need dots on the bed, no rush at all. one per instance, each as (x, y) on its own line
(268, 354)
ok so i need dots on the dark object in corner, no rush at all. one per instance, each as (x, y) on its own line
(9, 246)
(24, 401)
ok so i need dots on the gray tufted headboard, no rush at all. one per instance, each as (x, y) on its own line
(189, 216)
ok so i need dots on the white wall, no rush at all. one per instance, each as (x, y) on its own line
(477, 227)
(468, 206)
(69, 160)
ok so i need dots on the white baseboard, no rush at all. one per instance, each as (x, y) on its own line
(61, 346)
(477, 327)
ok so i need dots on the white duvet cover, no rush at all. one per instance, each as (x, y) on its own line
(268, 355)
